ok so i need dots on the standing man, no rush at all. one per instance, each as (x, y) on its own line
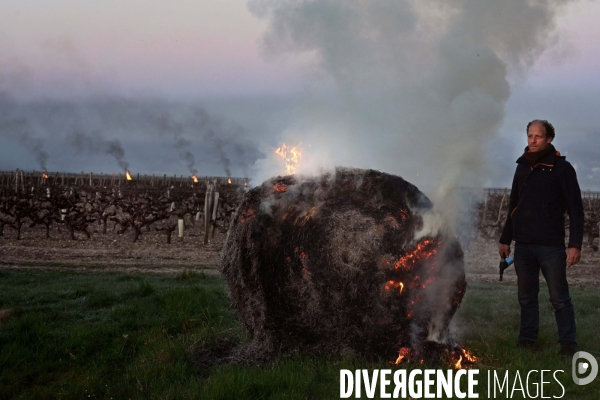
(544, 187)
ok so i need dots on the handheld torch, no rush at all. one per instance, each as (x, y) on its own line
(504, 263)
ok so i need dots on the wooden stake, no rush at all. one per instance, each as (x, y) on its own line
(215, 207)
(485, 207)
(501, 204)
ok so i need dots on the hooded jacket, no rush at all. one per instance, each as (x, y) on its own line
(539, 197)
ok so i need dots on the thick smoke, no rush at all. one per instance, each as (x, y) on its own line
(98, 144)
(419, 87)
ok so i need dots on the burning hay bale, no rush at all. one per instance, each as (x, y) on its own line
(340, 263)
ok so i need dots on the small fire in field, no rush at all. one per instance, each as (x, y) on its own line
(246, 184)
(466, 357)
(402, 354)
(291, 156)
(195, 178)
(229, 181)
(459, 358)
(128, 176)
(44, 175)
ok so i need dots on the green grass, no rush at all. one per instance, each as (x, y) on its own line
(98, 335)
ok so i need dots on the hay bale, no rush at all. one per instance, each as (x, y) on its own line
(330, 264)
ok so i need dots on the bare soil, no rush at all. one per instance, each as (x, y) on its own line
(111, 252)
(482, 260)
(118, 253)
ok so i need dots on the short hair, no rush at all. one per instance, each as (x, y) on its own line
(547, 126)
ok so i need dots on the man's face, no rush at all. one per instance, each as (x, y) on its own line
(536, 138)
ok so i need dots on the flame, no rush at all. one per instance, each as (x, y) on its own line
(391, 284)
(470, 358)
(423, 251)
(195, 178)
(245, 183)
(128, 176)
(465, 356)
(280, 188)
(44, 175)
(291, 157)
(229, 181)
(402, 354)
(458, 365)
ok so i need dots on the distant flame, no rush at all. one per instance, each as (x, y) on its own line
(245, 183)
(291, 156)
(44, 175)
(229, 181)
(195, 178)
(128, 176)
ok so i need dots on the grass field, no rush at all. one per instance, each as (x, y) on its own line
(96, 335)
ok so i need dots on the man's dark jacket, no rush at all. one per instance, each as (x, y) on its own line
(540, 195)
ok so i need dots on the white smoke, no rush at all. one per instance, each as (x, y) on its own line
(415, 88)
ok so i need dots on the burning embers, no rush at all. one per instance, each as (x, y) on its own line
(456, 357)
(291, 157)
(331, 264)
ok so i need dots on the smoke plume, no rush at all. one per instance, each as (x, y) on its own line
(97, 144)
(166, 124)
(413, 88)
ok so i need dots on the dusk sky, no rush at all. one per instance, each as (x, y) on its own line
(439, 94)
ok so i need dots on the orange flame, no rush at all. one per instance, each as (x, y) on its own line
(470, 358)
(195, 178)
(44, 175)
(245, 183)
(391, 284)
(280, 188)
(458, 365)
(291, 157)
(229, 181)
(422, 251)
(403, 353)
(128, 176)
(465, 356)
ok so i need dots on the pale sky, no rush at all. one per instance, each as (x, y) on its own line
(174, 48)
(209, 53)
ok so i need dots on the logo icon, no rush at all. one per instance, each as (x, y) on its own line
(580, 368)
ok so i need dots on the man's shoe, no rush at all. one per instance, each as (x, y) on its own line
(526, 344)
(567, 350)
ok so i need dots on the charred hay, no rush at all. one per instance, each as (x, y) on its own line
(331, 265)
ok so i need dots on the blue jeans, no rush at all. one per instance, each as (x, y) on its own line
(529, 260)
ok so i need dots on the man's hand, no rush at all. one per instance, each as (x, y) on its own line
(504, 250)
(573, 256)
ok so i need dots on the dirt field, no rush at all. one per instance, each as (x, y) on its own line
(482, 259)
(112, 252)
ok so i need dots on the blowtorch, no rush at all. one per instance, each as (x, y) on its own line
(505, 263)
